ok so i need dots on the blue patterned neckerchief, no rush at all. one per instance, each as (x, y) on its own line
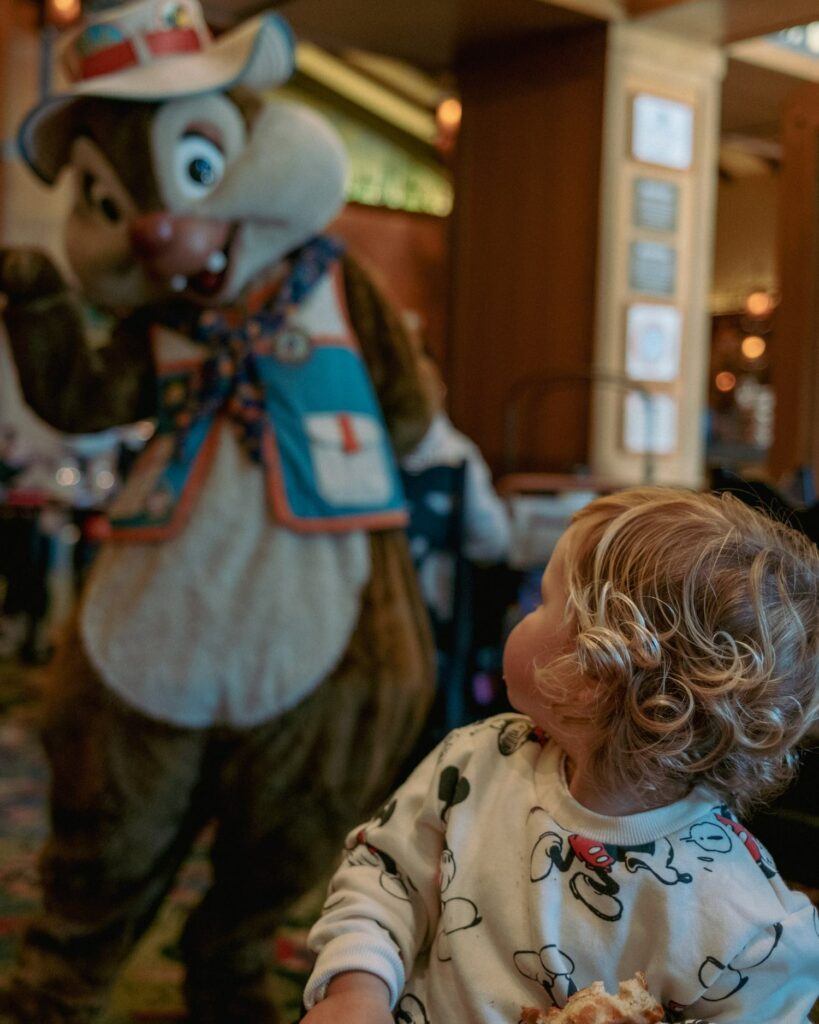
(228, 380)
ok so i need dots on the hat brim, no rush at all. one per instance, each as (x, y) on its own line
(259, 53)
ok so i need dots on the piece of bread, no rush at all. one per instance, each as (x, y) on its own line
(633, 1004)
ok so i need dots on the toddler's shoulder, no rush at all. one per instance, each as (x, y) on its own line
(727, 857)
(500, 736)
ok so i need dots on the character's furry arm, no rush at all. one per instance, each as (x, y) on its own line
(72, 386)
(389, 359)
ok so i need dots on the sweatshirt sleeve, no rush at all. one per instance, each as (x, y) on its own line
(773, 980)
(486, 523)
(382, 904)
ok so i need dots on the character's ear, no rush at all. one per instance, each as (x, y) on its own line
(119, 127)
(47, 148)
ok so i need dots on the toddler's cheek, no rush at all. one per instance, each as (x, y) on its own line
(517, 672)
(510, 659)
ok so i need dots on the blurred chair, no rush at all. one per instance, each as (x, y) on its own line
(525, 400)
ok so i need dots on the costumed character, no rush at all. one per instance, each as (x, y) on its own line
(251, 646)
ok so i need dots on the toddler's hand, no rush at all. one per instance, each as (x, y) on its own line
(353, 998)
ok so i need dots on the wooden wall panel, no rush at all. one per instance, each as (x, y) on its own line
(795, 357)
(407, 255)
(524, 244)
(638, 7)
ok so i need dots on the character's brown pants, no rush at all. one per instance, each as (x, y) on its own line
(129, 795)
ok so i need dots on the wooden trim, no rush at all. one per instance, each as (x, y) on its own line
(722, 21)
(794, 357)
(636, 8)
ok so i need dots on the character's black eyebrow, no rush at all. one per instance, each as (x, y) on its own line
(205, 131)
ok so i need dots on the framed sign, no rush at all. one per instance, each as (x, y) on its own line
(650, 423)
(652, 268)
(653, 342)
(655, 204)
(662, 131)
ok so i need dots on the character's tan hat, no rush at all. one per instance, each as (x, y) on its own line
(153, 50)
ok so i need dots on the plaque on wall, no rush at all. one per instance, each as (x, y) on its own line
(653, 335)
(655, 204)
(652, 268)
(662, 131)
(650, 423)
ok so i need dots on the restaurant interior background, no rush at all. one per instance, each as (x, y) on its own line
(394, 83)
(603, 313)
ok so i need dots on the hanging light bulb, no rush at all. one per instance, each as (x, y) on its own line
(448, 121)
(753, 346)
(62, 13)
(725, 381)
(759, 303)
(449, 113)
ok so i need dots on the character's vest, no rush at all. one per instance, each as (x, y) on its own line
(326, 454)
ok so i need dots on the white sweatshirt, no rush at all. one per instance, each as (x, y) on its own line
(482, 886)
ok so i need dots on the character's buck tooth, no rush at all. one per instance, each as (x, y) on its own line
(179, 282)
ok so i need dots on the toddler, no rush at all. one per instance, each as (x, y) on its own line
(663, 684)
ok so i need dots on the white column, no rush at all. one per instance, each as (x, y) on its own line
(660, 153)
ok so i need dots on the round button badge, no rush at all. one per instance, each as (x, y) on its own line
(292, 345)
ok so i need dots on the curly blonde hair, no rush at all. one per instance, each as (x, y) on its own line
(699, 617)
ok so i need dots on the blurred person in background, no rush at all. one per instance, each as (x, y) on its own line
(458, 527)
(485, 519)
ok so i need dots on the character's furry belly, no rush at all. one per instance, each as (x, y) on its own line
(231, 621)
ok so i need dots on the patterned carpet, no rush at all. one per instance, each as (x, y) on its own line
(149, 987)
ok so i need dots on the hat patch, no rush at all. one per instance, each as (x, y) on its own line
(106, 47)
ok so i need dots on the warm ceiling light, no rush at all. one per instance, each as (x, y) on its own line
(725, 381)
(753, 346)
(63, 12)
(759, 303)
(449, 113)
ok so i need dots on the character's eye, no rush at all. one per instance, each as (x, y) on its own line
(98, 199)
(199, 165)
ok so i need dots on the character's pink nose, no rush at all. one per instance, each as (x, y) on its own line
(172, 245)
(151, 233)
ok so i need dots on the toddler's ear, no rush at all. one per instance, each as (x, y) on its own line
(578, 701)
(587, 697)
